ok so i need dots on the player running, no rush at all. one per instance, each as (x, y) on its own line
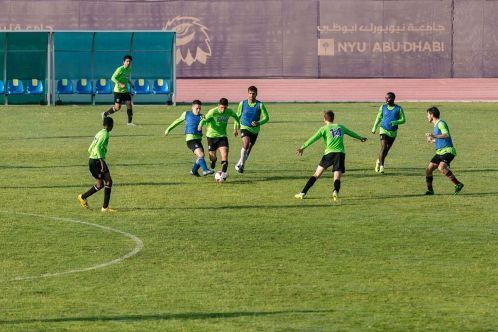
(252, 114)
(98, 167)
(334, 155)
(445, 151)
(389, 117)
(193, 136)
(121, 79)
(216, 120)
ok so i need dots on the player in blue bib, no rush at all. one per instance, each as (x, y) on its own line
(193, 136)
(445, 151)
(389, 117)
(252, 114)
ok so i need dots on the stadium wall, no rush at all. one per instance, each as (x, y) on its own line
(294, 38)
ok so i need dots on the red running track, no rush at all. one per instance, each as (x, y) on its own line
(339, 90)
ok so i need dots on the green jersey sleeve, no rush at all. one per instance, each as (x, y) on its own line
(351, 133)
(236, 126)
(176, 123)
(378, 119)
(313, 139)
(443, 127)
(235, 116)
(401, 119)
(264, 115)
(207, 118)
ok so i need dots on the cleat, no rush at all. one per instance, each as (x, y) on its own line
(239, 168)
(208, 172)
(83, 202)
(131, 124)
(381, 169)
(377, 166)
(300, 196)
(196, 174)
(458, 188)
(335, 196)
(108, 210)
(429, 192)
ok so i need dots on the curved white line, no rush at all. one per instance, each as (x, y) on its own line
(138, 246)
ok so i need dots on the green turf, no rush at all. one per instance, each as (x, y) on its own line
(245, 255)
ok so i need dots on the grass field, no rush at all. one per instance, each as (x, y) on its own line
(245, 255)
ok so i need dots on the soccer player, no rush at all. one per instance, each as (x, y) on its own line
(121, 79)
(252, 114)
(389, 117)
(445, 151)
(216, 120)
(193, 136)
(98, 167)
(332, 135)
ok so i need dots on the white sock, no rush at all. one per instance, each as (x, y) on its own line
(243, 157)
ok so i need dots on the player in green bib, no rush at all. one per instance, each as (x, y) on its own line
(445, 151)
(98, 167)
(390, 116)
(332, 135)
(216, 120)
(252, 114)
(121, 79)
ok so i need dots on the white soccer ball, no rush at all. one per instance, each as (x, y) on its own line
(220, 177)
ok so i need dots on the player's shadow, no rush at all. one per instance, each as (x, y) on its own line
(175, 316)
(54, 186)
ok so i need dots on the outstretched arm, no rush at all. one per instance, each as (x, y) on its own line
(175, 124)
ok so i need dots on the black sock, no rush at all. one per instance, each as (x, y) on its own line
(452, 177)
(224, 166)
(107, 197)
(309, 184)
(130, 115)
(90, 192)
(337, 185)
(109, 111)
(428, 180)
(213, 164)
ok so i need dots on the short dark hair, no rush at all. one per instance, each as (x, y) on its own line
(328, 115)
(224, 101)
(434, 111)
(127, 57)
(391, 94)
(197, 102)
(108, 122)
(252, 88)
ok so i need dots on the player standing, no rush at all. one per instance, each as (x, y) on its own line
(216, 120)
(252, 114)
(334, 155)
(389, 117)
(98, 167)
(121, 79)
(193, 136)
(445, 151)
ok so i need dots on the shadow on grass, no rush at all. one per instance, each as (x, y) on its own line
(178, 316)
(90, 183)
(78, 137)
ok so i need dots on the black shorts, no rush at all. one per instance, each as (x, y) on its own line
(389, 139)
(195, 144)
(446, 158)
(96, 169)
(121, 97)
(217, 142)
(252, 136)
(335, 159)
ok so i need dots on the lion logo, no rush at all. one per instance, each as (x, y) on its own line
(192, 40)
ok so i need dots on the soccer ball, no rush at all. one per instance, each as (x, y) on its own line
(220, 177)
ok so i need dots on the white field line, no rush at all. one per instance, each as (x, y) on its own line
(138, 247)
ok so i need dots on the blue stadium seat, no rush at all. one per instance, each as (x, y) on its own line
(103, 87)
(2, 87)
(142, 87)
(160, 86)
(15, 87)
(84, 87)
(65, 87)
(34, 87)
